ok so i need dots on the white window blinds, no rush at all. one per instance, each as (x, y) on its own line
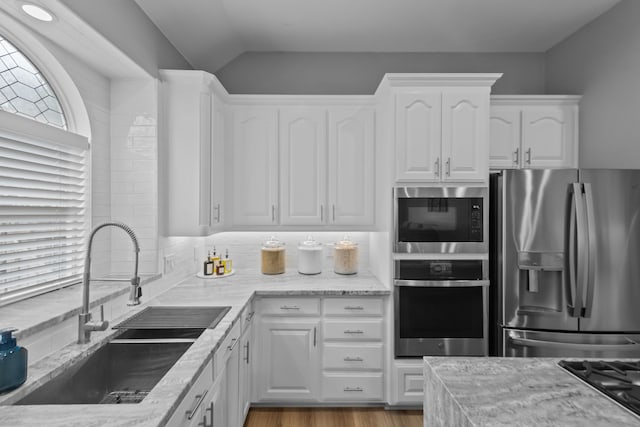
(43, 175)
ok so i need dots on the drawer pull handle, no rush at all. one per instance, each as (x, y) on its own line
(353, 359)
(234, 342)
(354, 307)
(289, 307)
(200, 397)
(250, 316)
(350, 331)
(353, 389)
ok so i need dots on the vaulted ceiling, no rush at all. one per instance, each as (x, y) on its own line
(210, 33)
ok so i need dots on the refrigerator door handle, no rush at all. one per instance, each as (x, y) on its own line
(592, 248)
(571, 256)
(629, 345)
(579, 265)
(583, 260)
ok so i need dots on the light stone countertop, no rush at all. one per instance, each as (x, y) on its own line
(514, 392)
(235, 291)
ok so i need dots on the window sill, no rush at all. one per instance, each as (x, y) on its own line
(41, 312)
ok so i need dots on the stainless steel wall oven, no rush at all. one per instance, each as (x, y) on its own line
(441, 219)
(441, 307)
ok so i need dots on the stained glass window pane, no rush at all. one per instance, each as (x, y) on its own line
(24, 90)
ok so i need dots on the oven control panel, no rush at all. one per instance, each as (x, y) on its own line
(454, 269)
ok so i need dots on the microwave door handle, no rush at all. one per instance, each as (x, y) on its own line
(571, 258)
(591, 247)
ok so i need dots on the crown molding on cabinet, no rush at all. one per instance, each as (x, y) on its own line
(546, 100)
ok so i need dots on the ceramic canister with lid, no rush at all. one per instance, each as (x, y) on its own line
(346, 256)
(309, 256)
(273, 256)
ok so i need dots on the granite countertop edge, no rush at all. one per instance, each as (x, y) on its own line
(522, 392)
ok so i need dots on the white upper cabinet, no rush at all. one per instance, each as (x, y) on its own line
(322, 158)
(441, 126)
(255, 166)
(193, 151)
(350, 196)
(418, 135)
(538, 131)
(465, 135)
(303, 171)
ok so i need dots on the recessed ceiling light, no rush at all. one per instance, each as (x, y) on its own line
(37, 12)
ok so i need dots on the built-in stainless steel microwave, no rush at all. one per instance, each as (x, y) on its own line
(441, 220)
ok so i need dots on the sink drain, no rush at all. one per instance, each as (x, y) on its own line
(124, 396)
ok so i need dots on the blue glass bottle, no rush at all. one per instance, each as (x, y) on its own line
(13, 361)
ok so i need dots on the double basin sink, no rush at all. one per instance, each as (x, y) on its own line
(125, 369)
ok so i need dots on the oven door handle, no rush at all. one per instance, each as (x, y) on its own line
(442, 283)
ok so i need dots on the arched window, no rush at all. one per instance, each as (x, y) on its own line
(23, 89)
(43, 184)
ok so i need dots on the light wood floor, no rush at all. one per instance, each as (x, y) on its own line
(332, 417)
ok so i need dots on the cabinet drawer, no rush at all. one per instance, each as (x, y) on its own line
(350, 356)
(352, 387)
(226, 347)
(368, 330)
(191, 409)
(290, 306)
(352, 306)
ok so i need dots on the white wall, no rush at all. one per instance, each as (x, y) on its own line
(601, 62)
(128, 28)
(134, 173)
(361, 73)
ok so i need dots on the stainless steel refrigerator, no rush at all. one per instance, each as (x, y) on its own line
(566, 262)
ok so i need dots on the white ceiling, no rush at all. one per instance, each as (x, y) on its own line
(210, 33)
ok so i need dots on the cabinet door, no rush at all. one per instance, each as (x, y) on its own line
(255, 162)
(246, 360)
(548, 136)
(288, 366)
(350, 169)
(233, 386)
(418, 134)
(465, 115)
(504, 137)
(303, 163)
(217, 409)
(217, 170)
(186, 104)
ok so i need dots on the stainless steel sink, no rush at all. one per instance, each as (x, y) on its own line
(175, 318)
(116, 373)
(129, 366)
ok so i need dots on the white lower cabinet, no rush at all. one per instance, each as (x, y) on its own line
(352, 387)
(246, 363)
(288, 366)
(218, 406)
(353, 350)
(319, 350)
(408, 388)
(194, 409)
